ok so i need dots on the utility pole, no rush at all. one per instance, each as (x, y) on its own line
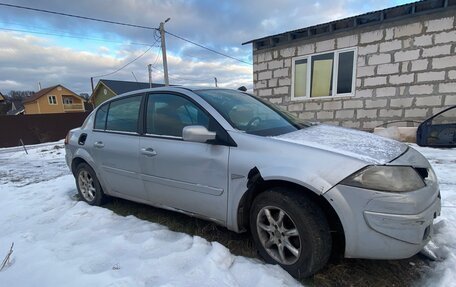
(149, 67)
(163, 46)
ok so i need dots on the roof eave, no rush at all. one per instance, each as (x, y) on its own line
(378, 17)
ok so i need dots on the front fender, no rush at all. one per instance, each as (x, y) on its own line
(238, 187)
(309, 180)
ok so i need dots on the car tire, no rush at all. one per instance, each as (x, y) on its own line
(89, 188)
(291, 230)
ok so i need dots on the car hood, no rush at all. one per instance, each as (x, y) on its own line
(364, 146)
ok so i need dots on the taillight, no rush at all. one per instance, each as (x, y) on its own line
(67, 138)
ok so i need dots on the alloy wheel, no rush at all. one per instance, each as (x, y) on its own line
(86, 185)
(278, 235)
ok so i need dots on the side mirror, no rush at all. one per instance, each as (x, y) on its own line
(198, 134)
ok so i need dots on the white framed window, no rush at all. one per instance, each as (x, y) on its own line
(52, 100)
(324, 75)
(67, 101)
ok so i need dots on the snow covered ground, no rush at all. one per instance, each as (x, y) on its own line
(443, 272)
(60, 241)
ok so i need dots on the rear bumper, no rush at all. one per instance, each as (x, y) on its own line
(68, 156)
(383, 225)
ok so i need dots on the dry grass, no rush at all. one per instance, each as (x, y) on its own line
(339, 272)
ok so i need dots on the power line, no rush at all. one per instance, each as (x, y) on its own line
(72, 36)
(209, 49)
(158, 55)
(124, 66)
(77, 37)
(76, 16)
(123, 24)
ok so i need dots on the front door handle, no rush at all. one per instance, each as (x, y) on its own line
(148, 151)
(98, 144)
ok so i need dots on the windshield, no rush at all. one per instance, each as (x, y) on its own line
(250, 114)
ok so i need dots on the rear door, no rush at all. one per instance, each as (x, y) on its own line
(189, 176)
(115, 147)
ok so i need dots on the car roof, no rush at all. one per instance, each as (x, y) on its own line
(171, 88)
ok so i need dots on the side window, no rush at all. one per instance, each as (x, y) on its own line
(123, 114)
(168, 114)
(324, 75)
(448, 117)
(100, 117)
(52, 100)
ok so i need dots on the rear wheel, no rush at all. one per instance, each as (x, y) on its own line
(89, 188)
(291, 230)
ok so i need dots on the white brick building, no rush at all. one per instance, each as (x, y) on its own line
(394, 64)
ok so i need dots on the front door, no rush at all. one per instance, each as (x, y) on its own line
(179, 174)
(439, 130)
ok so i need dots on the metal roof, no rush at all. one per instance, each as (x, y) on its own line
(16, 107)
(120, 87)
(45, 91)
(368, 19)
(39, 94)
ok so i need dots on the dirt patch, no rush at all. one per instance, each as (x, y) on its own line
(339, 272)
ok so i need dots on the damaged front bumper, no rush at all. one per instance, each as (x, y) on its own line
(413, 229)
(382, 225)
(387, 225)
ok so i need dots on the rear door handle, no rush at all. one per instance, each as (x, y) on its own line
(148, 151)
(98, 144)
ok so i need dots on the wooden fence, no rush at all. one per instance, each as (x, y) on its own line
(33, 129)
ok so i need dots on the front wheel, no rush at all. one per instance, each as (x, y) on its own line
(291, 230)
(89, 188)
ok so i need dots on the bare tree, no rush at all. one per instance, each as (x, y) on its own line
(19, 95)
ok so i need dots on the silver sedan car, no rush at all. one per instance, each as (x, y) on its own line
(302, 190)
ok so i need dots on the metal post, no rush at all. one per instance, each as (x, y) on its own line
(163, 46)
(215, 79)
(91, 81)
(23, 145)
(150, 75)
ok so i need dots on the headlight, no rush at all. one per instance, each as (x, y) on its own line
(431, 178)
(386, 178)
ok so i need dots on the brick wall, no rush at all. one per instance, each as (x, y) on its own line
(405, 70)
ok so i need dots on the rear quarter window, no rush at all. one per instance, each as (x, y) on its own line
(100, 117)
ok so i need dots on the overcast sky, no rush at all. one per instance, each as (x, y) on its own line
(34, 55)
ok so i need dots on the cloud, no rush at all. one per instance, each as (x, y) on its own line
(9, 84)
(220, 25)
(33, 60)
(217, 23)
